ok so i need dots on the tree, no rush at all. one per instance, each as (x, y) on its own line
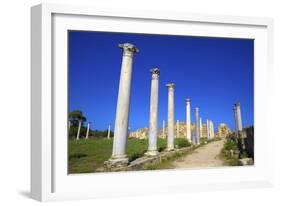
(75, 116)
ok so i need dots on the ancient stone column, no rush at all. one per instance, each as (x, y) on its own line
(239, 124)
(163, 130)
(200, 126)
(238, 117)
(188, 120)
(211, 130)
(170, 138)
(153, 117)
(235, 119)
(197, 126)
(123, 104)
(88, 129)
(208, 129)
(78, 131)
(178, 129)
(108, 132)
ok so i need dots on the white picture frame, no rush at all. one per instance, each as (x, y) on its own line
(49, 178)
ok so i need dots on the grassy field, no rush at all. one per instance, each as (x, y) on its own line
(86, 156)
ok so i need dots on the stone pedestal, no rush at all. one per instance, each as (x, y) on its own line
(153, 117)
(171, 122)
(188, 120)
(123, 104)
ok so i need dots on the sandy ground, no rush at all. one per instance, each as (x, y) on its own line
(206, 156)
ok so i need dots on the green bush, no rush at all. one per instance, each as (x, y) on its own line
(230, 145)
(203, 140)
(182, 142)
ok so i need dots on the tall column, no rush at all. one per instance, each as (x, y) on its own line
(108, 132)
(212, 130)
(188, 120)
(163, 130)
(200, 126)
(208, 129)
(178, 129)
(238, 117)
(78, 131)
(123, 104)
(153, 117)
(197, 126)
(88, 129)
(170, 138)
(239, 124)
(235, 119)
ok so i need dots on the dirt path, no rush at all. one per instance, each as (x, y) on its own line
(205, 156)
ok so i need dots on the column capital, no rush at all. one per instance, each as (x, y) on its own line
(170, 85)
(128, 49)
(155, 73)
(196, 108)
(237, 104)
(187, 100)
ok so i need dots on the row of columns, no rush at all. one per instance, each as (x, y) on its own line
(123, 104)
(87, 131)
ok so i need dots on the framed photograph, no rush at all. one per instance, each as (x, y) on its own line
(138, 102)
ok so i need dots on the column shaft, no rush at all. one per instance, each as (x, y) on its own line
(78, 131)
(87, 133)
(108, 132)
(163, 130)
(123, 105)
(153, 118)
(200, 124)
(188, 120)
(178, 129)
(197, 134)
(171, 122)
(208, 129)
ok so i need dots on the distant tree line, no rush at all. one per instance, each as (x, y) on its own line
(77, 116)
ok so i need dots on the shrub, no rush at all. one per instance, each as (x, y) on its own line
(135, 156)
(203, 140)
(182, 142)
(230, 145)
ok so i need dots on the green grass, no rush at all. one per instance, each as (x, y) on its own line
(86, 156)
(229, 153)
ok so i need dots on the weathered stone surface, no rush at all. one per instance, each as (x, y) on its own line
(123, 105)
(171, 116)
(153, 116)
(144, 161)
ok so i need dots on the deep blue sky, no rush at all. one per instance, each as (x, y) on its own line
(213, 72)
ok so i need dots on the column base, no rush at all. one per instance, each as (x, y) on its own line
(168, 149)
(120, 161)
(151, 153)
